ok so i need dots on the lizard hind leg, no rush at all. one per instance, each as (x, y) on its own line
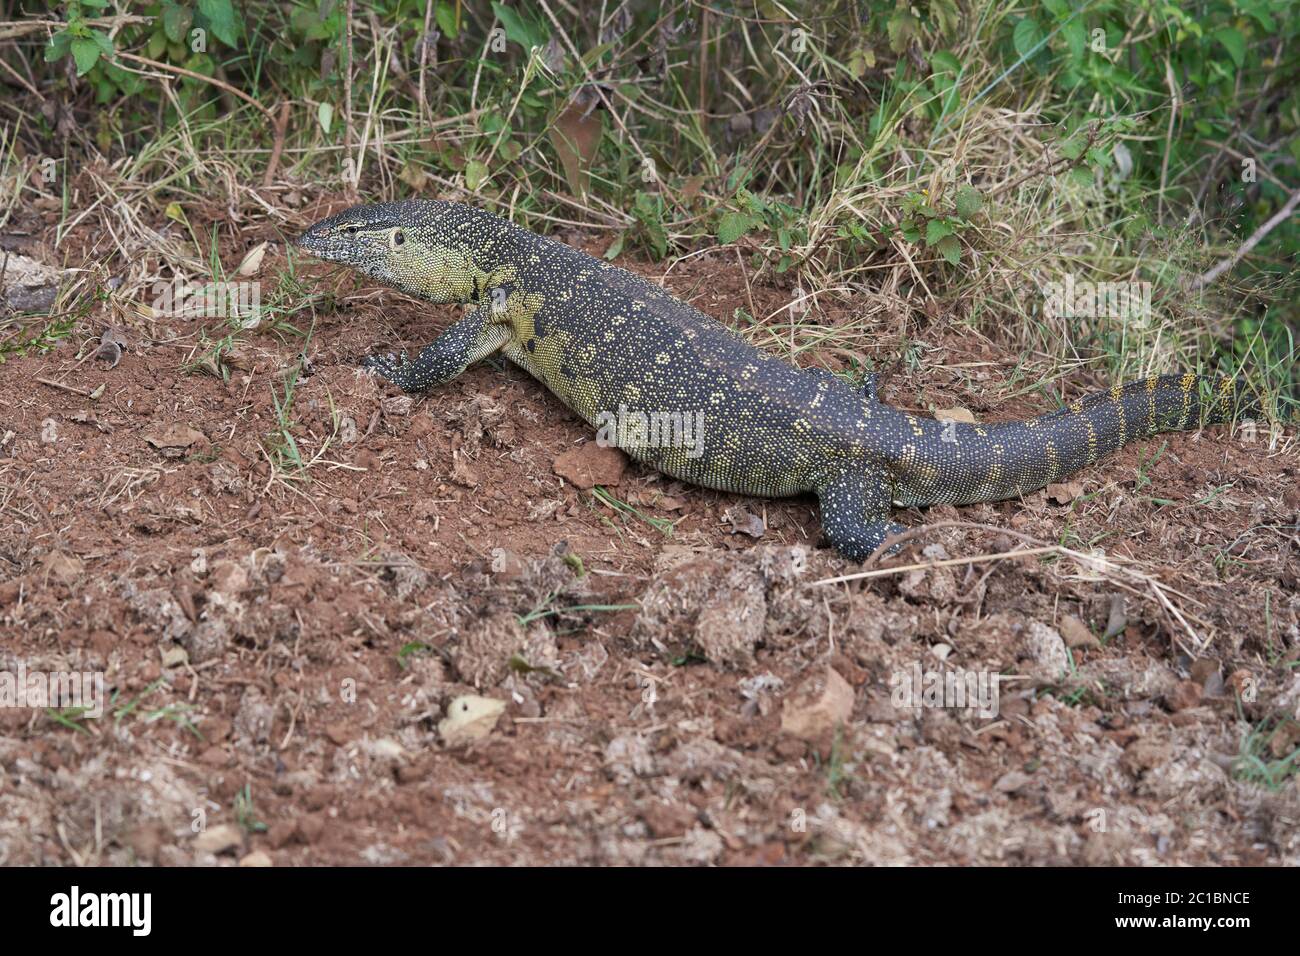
(855, 511)
(867, 387)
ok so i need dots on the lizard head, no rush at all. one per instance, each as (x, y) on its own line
(411, 245)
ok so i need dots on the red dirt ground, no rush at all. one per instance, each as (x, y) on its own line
(282, 645)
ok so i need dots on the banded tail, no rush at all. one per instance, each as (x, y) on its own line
(992, 462)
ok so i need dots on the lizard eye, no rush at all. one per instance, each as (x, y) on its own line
(350, 231)
(399, 237)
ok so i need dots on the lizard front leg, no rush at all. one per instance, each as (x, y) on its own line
(474, 337)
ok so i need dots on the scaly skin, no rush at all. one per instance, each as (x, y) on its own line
(605, 340)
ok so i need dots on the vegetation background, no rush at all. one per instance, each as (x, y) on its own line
(948, 158)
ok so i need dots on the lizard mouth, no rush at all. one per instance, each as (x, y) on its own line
(312, 243)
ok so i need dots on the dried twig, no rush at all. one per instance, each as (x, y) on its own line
(1283, 214)
(281, 121)
(18, 28)
(220, 84)
(1159, 590)
(945, 563)
(1052, 167)
(84, 393)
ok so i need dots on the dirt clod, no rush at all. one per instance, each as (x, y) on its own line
(823, 702)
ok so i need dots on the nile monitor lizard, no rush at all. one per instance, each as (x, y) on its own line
(608, 342)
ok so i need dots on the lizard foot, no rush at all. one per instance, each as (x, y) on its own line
(859, 548)
(392, 368)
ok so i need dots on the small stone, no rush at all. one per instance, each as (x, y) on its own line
(743, 521)
(1117, 619)
(214, 757)
(1143, 754)
(591, 464)
(1012, 781)
(175, 440)
(1076, 634)
(470, 718)
(219, 839)
(412, 772)
(174, 656)
(1064, 492)
(667, 820)
(957, 414)
(338, 734)
(256, 858)
(282, 833)
(1186, 695)
(816, 706)
(229, 578)
(145, 841)
(1045, 648)
(1204, 670)
(311, 827)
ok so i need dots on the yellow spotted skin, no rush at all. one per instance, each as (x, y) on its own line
(607, 341)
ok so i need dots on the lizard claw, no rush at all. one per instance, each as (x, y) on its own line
(390, 367)
(397, 369)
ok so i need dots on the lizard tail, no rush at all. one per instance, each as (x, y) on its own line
(993, 462)
(1164, 403)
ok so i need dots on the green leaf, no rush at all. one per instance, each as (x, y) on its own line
(128, 83)
(1071, 148)
(518, 30)
(156, 45)
(950, 249)
(969, 201)
(901, 26)
(649, 211)
(86, 52)
(1234, 42)
(58, 47)
(947, 15)
(944, 61)
(1263, 18)
(445, 16)
(1027, 35)
(476, 173)
(220, 15)
(176, 21)
(325, 116)
(1076, 37)
(732, 226)
(935, 230)
(105, 43)
(616, 247)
